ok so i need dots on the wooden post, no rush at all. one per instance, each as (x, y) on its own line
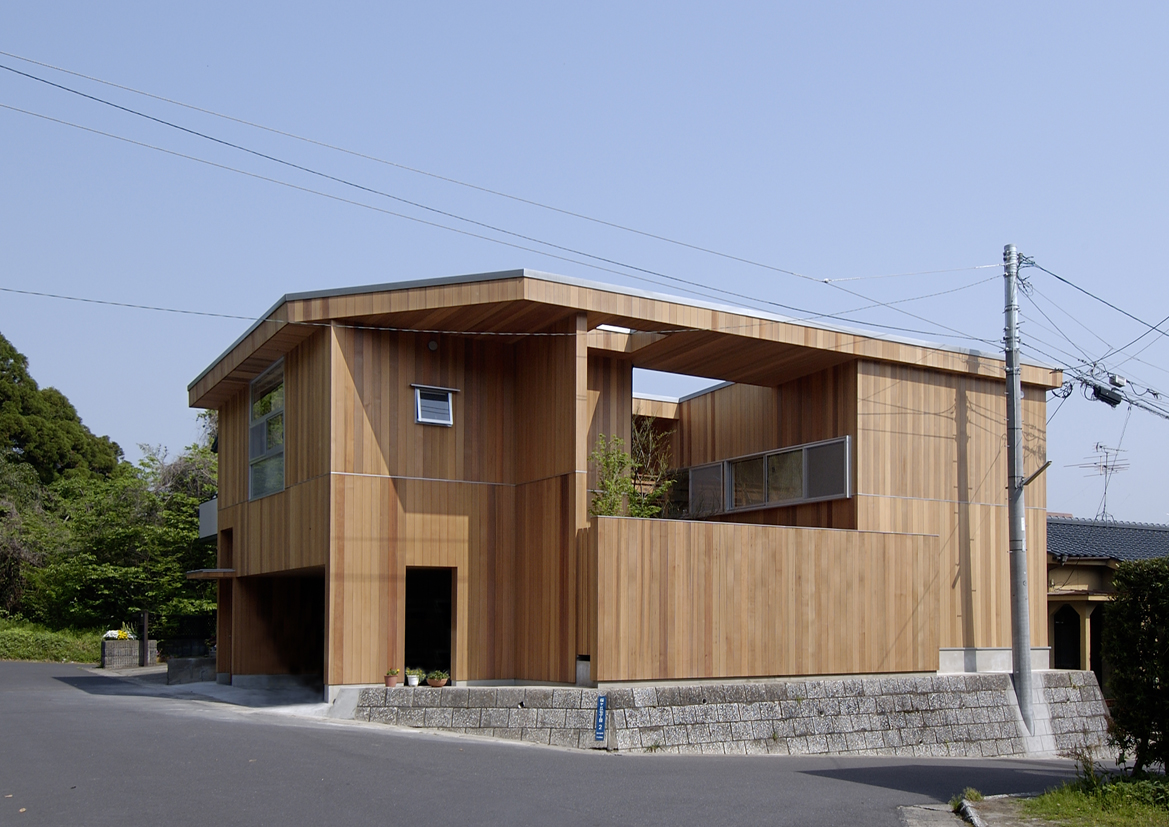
(144, 639)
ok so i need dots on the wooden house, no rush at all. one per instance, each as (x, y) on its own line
(404, 481)
(1082, 556)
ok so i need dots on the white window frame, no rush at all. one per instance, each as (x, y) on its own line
(267, 453)
(420, 419)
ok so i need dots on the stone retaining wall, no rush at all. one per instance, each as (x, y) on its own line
(1076, 707)
(942, 715)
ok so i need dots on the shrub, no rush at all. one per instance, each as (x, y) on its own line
(1136, 644)
(614, 486)
(28, 641)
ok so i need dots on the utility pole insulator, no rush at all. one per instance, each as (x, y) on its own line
(1016, 512)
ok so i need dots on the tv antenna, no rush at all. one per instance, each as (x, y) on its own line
(1107, 462)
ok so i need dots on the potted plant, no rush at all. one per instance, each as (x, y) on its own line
(438, 678)
(392, 678)
(414, 675)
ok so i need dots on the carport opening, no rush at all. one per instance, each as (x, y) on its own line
(430, 631)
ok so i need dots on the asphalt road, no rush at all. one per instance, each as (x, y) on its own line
(83, 749)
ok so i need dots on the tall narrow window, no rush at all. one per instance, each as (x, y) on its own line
(266, 433)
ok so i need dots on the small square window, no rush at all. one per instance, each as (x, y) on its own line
(434, 406)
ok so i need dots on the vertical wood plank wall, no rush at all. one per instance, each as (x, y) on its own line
(728, 422)
(505, 519)
(550, 497)
(717, 600)
(610, 411)
(283, 532)
(382, 525)
(286, 530)
(931, 458)
(405, 494)
(745, 419)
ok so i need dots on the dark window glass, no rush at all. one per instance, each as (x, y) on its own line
(785, 476)
(827, 470)
(706, 490)
(747, 482)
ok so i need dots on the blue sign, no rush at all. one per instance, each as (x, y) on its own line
(602, 703)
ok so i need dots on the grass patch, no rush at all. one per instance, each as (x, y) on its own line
(1116, 801)
(970, 794)
(21, 640)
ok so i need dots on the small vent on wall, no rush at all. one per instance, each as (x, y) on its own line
(434, 406)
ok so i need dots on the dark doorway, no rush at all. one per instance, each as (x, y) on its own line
(1067, 638)
(1099, 663)
(429, 627)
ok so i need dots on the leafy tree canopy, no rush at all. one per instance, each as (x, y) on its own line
(39, 426)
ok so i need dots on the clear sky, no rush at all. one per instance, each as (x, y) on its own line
(836, 140)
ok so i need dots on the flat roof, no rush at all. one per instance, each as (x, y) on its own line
(471, 278)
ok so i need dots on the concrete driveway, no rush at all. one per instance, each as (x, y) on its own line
(78, 748)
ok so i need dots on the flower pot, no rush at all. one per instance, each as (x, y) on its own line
(433, 682)
(411, 680)
(391, 680)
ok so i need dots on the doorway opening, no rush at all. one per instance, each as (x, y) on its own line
(1067, 639)
(430, 628)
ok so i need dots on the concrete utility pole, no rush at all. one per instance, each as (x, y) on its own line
(1016, 514)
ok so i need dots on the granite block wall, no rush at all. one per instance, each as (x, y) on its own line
(122, 654)
(924, 715)
(1076, 709)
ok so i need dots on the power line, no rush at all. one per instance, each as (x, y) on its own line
(1030, 262)
(1137, 339)
(1057, 330)
(809, 314)
(471, 221)
(480, 188)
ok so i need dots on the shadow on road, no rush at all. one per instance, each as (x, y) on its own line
(941, 778)
(154, 685)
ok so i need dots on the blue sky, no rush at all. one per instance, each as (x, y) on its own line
(835, 140)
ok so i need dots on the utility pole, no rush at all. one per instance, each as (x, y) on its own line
(1016, 514)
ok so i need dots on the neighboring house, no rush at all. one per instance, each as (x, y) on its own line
(404, 481)
(1082, 554)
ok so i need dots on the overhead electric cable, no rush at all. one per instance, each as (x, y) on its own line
(1057, 330)
(345, 182)
(810, 315)
(1122, 348)
(487, 190)
(1086, 327)
(1030, 262)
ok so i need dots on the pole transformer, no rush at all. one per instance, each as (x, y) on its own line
(1016, 514)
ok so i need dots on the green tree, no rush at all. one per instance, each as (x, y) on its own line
(633, 485)
(1136, 644)
(27, 529)
(649, 468)
(39, 426)
(614, 486)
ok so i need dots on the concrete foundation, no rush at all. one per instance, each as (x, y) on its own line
(190, 670)
(988, 659)
(275, 681)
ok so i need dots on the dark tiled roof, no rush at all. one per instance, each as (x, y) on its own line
(1079, 537)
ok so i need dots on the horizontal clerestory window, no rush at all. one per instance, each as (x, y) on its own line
(812, 472)
(266, 433)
